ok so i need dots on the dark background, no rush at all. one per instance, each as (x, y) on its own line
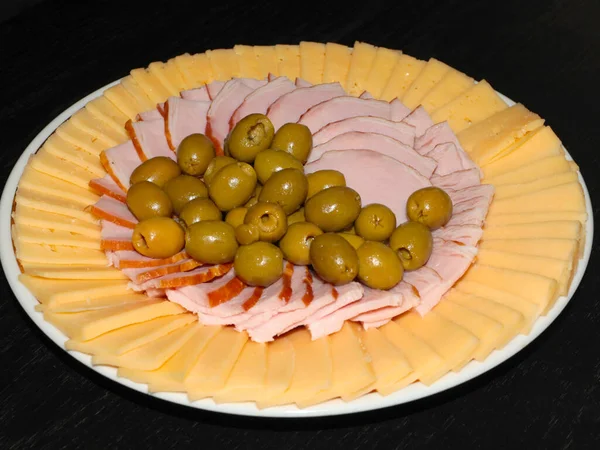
(543, 53)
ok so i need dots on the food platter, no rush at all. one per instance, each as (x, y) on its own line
(330, 408)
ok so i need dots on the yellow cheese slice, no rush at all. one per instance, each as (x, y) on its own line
(51, 204)
(151, 85)
(288, 60)
(529, 311)
(247, 376)
(185, 66)
(405, 72)
(429, 76)
(224, 63)
(90, 304)
(392, 369)
(488, 331)
(267, 60)
(248, 62)
(452, 342)
(123, 101)
(151, 355)
(139, 94)
(45, 162)
(503, 191)
(281, 361)
(312, 61)
(535, 288)
(363, 56)
(486, 140)
(60, 148)
(565, 197)
(215, 363)
(472, 106)
(70, 133)
(58, 254)
(551, 248)
(518, 218)
(453, 84)
(28, 216)
(550, 166)
(54, 271)
(40, 182)
(381, 71)
(103, 109)
(87, 325)
(564, 229)
(157, 70)
(40, 236)
(85, 121)
(337, 63)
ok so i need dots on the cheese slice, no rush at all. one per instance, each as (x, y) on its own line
(281, 361)
(363, 56)
(123, 101)
(392, 369)
(267, 60)
(565, 197)
(60, 148)
(54, 271)
(151, 85)
(28, 216)
(288, 60)
(90, 324)
(58, 254)
(428, 366)
(90, 304)
(103, 109)
(453, 84)
(529, 311)
(45, 162)
(563, 229)
(210, 372)
(312, 61)
(405, 72)
(36, 181)
(550, 166)
(248, 62)
(224, 63)
(169, 76)
(452, 342)
(186, 66)
(247, 376)
(431, 75)
(337, 63)
(130, 337)
(40, 236)
(535, 288)
(80, 139)
(85, 121)
(381, 71)
(518, 218)
(503, 191)
(474, 105)
(487, 330)
(51, 204)
(139, 94)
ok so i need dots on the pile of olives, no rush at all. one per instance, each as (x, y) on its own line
(255, 207)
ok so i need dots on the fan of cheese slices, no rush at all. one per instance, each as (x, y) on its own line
(531, 244)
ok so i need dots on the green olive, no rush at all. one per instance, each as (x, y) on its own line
(247, 233)
(235, 217)
(333, 209)
(194, 154)
(375, 222)
(254, 199)
(333, 258)
(211, 242)
(157, 170)
(232, 186)
(378, 266)
(215, 165)
(184, 189)
(354, 240)
(413, 243)
(158, 237)
(323, 179)
(287, 188)
(269, 218)
(251, 135)
(295, 139)
(259, 264)
(270, 161)
(430, 206)
(298, 216)
(295, 245)
(146, 199)
(200, 209)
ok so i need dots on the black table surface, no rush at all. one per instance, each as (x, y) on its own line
(541, 53)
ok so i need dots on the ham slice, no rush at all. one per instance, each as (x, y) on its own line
(376, 177)
(149, 139)
(114, 211)
(465, 234)
(198, 94)
(151, 114)
(132, 260)
(423, 279)
(289, 107)
(260, 99)
(141, 275)
(457, 180)
(472, 212)
(340, 108)
(379, 317)
(420, 119)
(398, 111)
(184, 117)
(302, 83)
(482, 190)
(378, 143)
(214, 88)
(447, 157)
(115, 237)
(253, 83)
(366, 95)
(175, 280)
(108, 186)
(120, 162)
(396, 130)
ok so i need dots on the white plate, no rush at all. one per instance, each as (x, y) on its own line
(330, 408)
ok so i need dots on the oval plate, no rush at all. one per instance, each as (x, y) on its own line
(331, 408)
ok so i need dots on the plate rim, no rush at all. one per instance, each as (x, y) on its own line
(336, 407)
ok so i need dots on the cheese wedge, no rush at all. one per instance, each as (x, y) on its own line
(141, 98)
(36, 181)
(363, 56)
(565, 197)
(407, 69)
(381, 71)
(60, 148)
(512, 190)
(312, 61)
(151, 85)
(472, 106)
(224, 63)
(267, 60)
(169, 76)
(288, 60)
(45, 162)
(518, 218)
(429, 76)
(58, 254)
(102, 108)
(210, 372)
(247, 376)
(53, 271)
(194, 69)
(45, 236)
(453, 84)
(248, 62)
(565, 249)
(337, 63)
(90, 304)
(281, 361)
(43, 202)
(27, 216)
(80, 139)
(123, 101)
(564, 229)
(85, 121)
(551, 166)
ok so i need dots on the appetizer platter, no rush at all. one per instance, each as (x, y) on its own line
(295, 230)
